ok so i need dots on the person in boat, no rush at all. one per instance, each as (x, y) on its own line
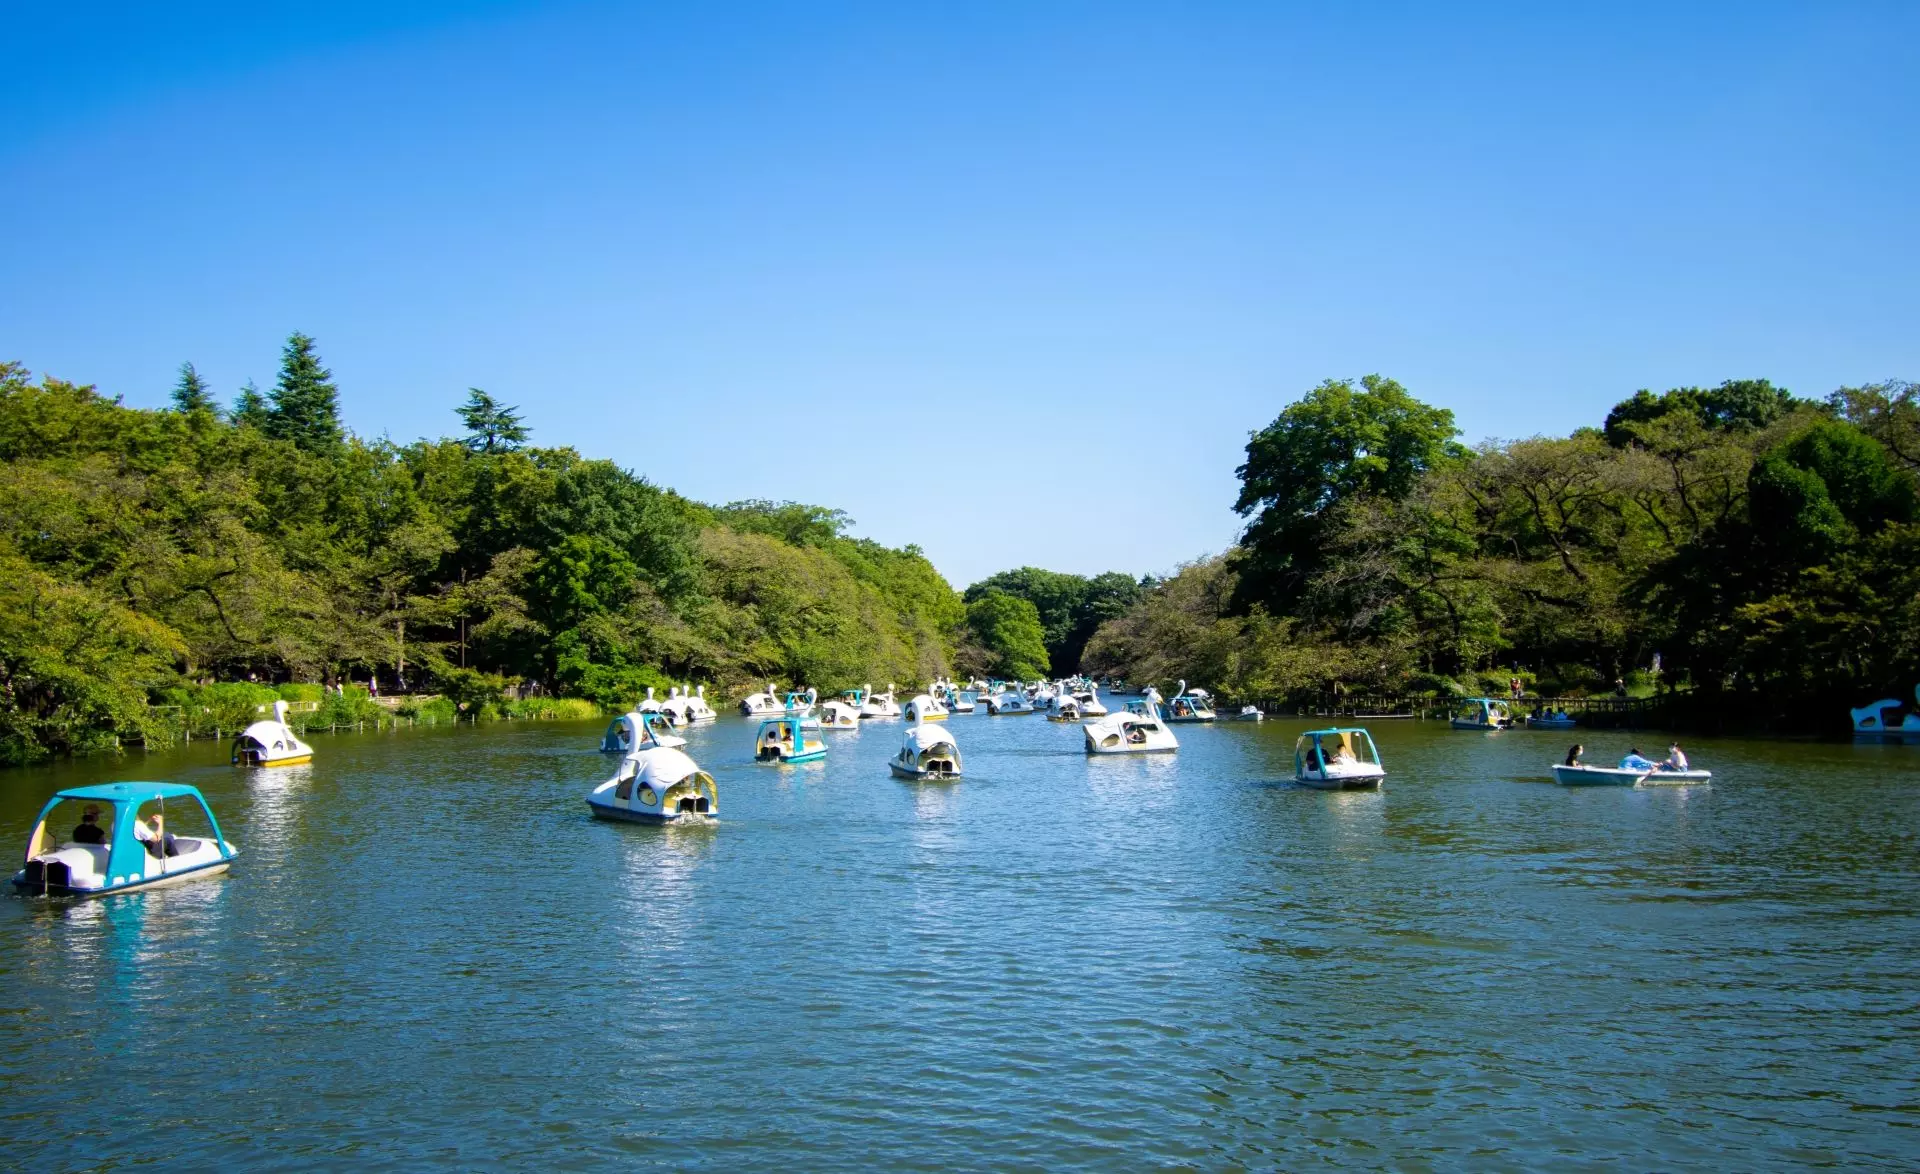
(154, 835)
(1342, 754)
(1636, 761)
(90, 831)
(1574, 753)
(1676, 759)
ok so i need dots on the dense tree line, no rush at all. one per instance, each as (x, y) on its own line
(1748, 542)
(141, 550)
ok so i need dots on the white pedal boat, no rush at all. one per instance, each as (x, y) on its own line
(270, 743)
(656, 786)
(925, 707)
(639, 730)
(879, 705)
(1008, 703)
(928, 752)
(1340, 759)
(1135, 730)
(130, 848)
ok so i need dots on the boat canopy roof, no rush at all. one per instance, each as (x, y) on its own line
(131, 792)
(660, 768)
(1334, 731)
(922, 738)
(775, 722)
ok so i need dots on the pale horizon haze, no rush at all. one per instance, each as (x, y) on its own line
(1009, 282)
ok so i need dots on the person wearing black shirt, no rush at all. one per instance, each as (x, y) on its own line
(90, 831)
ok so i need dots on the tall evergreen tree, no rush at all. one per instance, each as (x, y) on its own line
(250, 407)
(305, 404)
(495, 426)
(190, 395)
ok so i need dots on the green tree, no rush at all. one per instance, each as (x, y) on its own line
(491, 425)
(190, 393)
(1008, 628)
(250, 407)
(1336, 442)
(305, 405)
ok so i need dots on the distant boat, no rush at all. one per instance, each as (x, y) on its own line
(1190, 705)
(927, 752)
(1613, 776)
(1137, 729)
(1249, 713)
(1008, 703)
(880, 705)
(925, 707)
(639, 731)
(656, 786)
(789, 740)
(1882, 719)
(1339, 759)
(123, 852)
(270, 743)
(1482, 713)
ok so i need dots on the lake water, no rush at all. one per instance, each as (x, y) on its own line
(429, 955)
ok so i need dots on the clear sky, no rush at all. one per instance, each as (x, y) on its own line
(1009, 280)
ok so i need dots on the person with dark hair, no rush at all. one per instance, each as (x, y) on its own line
(1636, 761)
(90, 831)
(1573, 754)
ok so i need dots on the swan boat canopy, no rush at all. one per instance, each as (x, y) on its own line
(1190, 705)
(763, 704)
(1337, 760)
(649, 705)
(1066, 708)
(1135, 730)
(656, 786)
(1089, 701)
(1613, 776)
(639, 731)
(925, 707)
(788, 739)
(1482, 713)
(270, 742)
(1882, 719)
(928, 752)
(120, 852)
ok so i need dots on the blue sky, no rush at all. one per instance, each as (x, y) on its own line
(1011, 281)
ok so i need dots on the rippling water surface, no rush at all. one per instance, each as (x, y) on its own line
(428, 954)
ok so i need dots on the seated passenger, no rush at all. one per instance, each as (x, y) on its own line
(1635, 761)
(1676, 758)
(155, 837)
(1342, 754)
(90, 831)
(1573, 755)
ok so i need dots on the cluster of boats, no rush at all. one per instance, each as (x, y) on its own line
(120, 840)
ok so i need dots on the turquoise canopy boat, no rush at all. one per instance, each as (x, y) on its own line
(128, 849)
(1482, 713)
(789, 739)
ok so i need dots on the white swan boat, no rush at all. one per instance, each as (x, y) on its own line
(699, 713)
(927, 752)
(639, 730)
(961, 701)
(1249, 713)
(1882, 719)
(879, 705)
(1066, 708)
(1190, 705)
(765, 703)
(840, 714)
(125, 850)
(1137, 729)
(1337, 760)
(1620, 776)
(925, 707)
(1008, 703)
(649, 705)
(270, 742)
(1088, 698)
(656, 786)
